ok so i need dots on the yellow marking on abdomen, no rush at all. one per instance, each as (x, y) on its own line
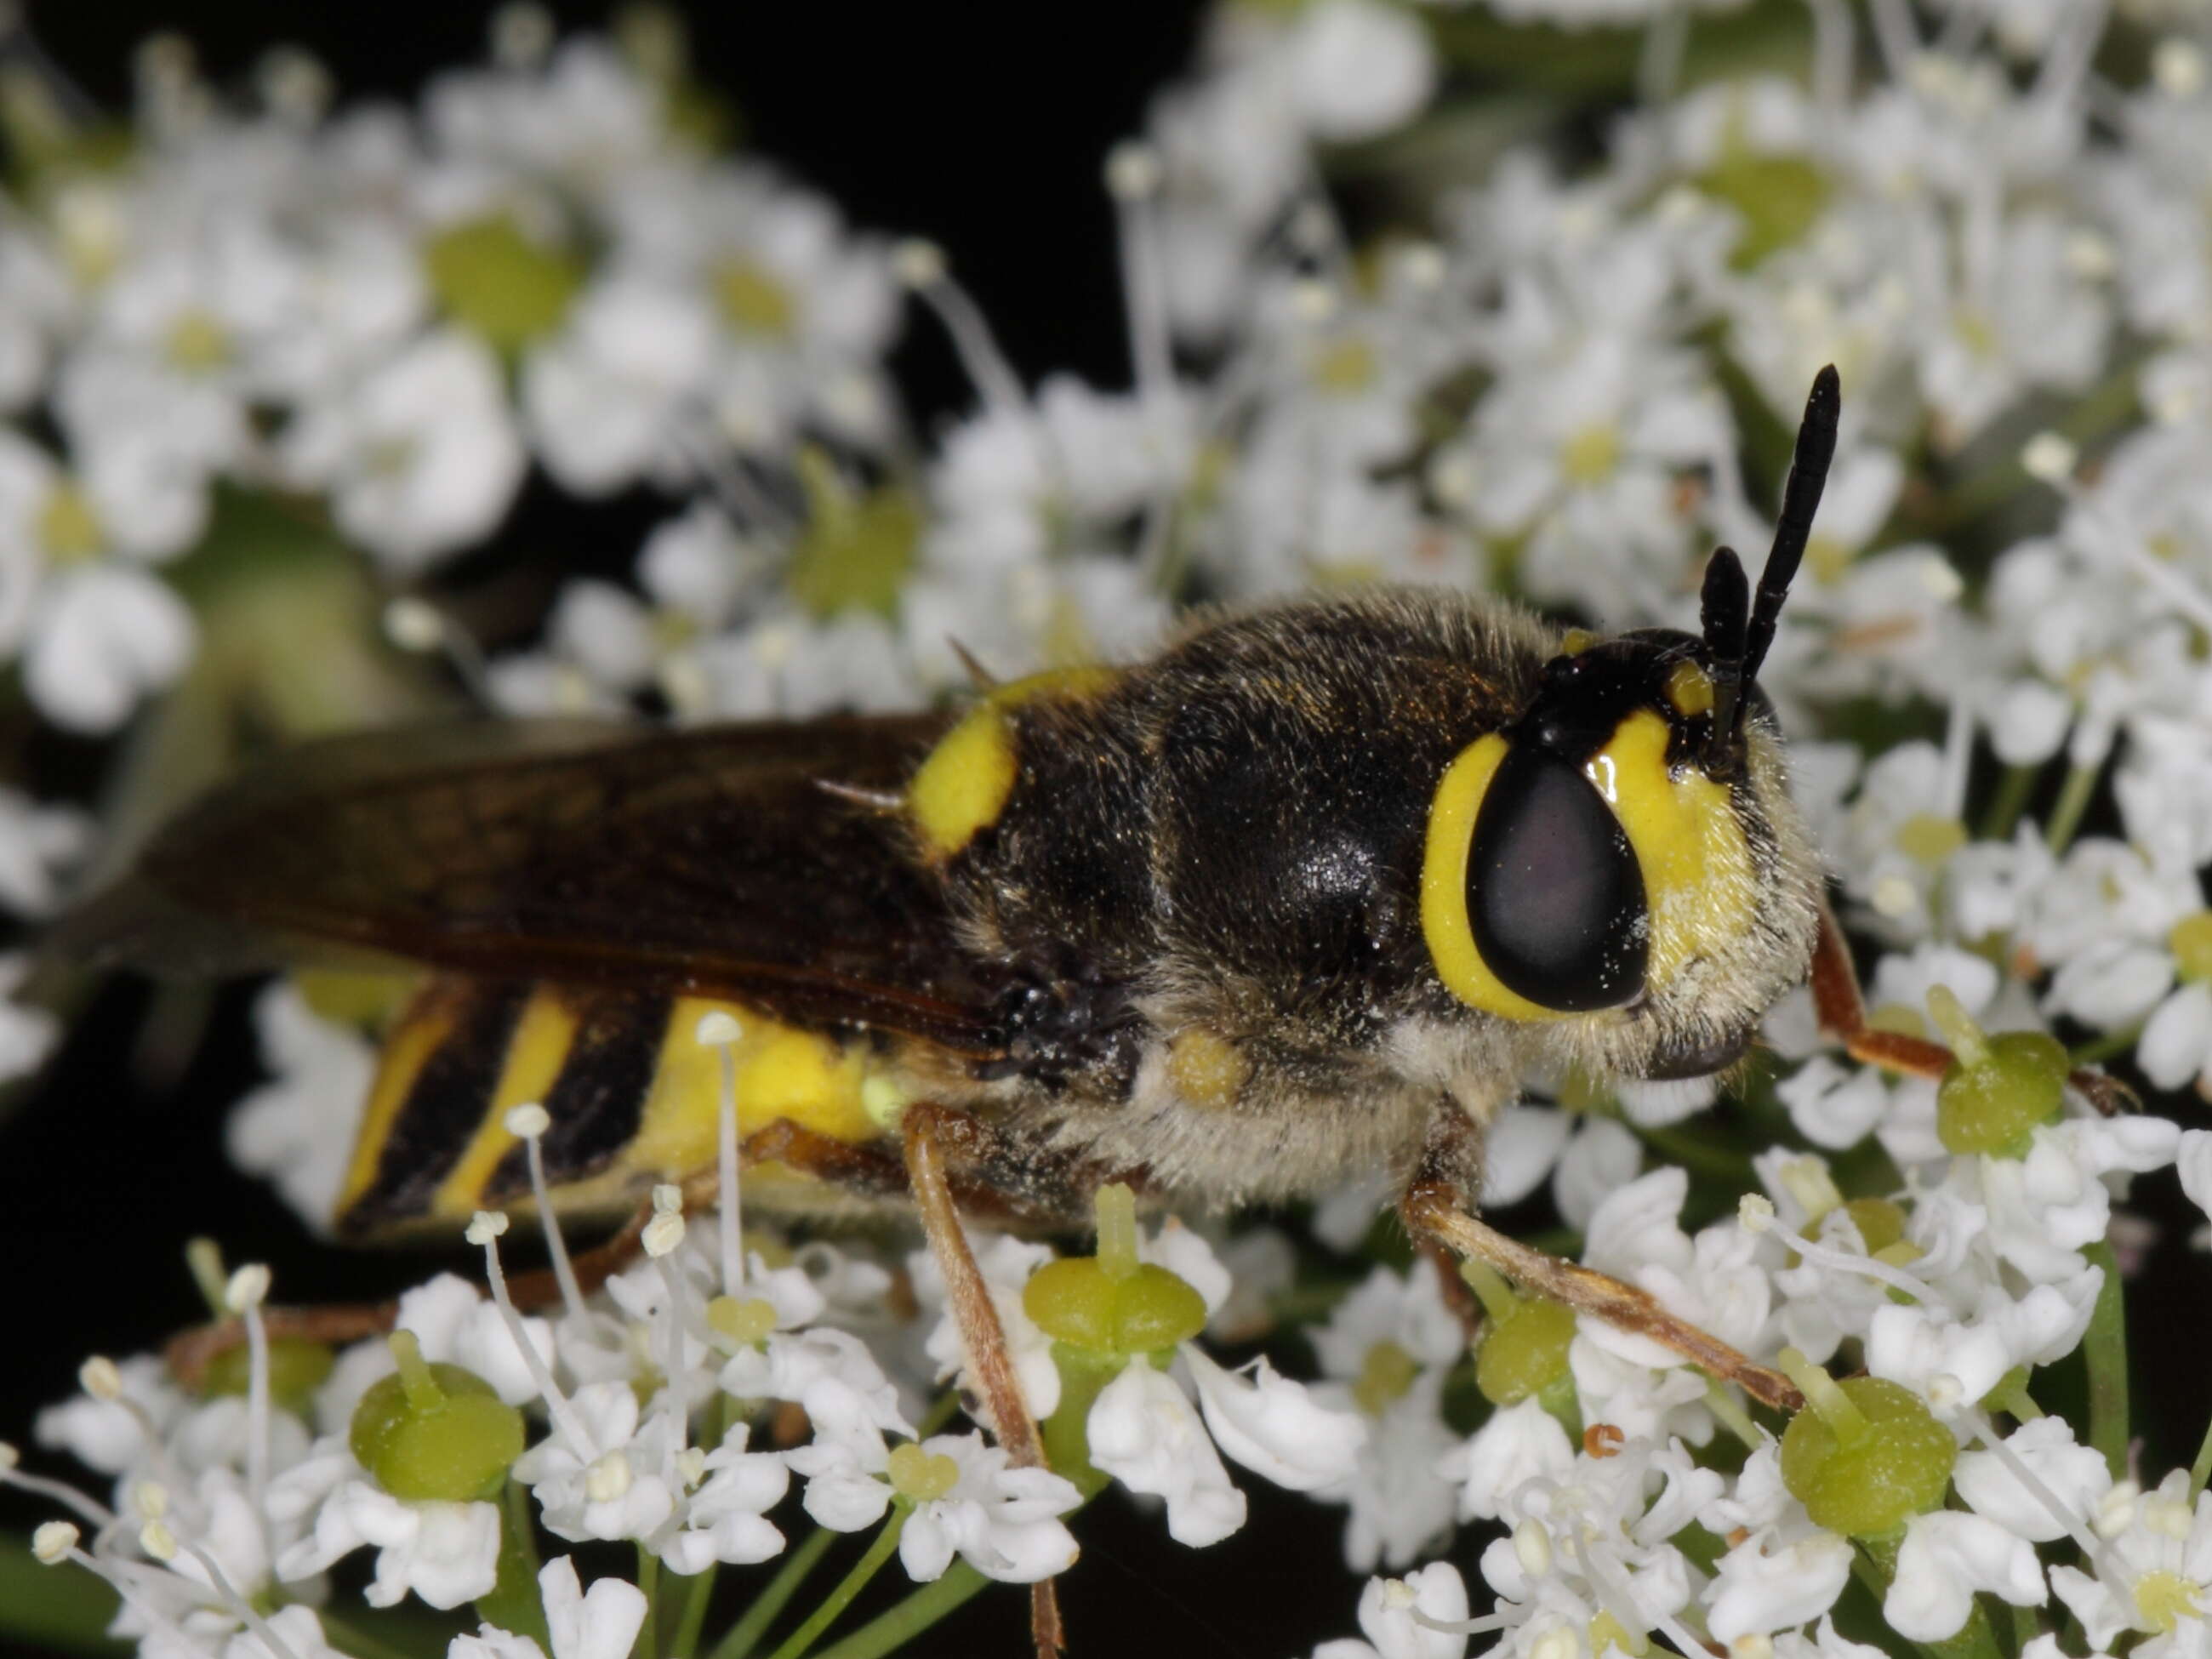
(423, 1029)
(535, 1054)
(782, 1072)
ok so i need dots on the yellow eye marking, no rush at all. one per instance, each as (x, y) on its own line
(1206, 1070)
(1697, 879)
(1445, 923)
(1689, 689)
(964, 784)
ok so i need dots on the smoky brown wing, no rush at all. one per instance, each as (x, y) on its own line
(710, 860)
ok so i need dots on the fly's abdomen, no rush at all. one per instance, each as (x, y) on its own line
(633, 1095)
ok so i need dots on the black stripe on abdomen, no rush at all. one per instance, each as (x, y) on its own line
(445, 1106)
(597, 1101)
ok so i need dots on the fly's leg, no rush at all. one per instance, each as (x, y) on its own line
(1435, 1207)
(1842, 1014)
(935, 1136)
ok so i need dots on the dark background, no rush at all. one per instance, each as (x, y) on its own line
(986, 132)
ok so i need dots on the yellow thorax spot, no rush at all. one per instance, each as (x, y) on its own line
(962, 787)
(1207, 1070)
(1697, 879)
(1576, 640)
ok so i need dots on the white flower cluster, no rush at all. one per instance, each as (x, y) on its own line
(1555, 383)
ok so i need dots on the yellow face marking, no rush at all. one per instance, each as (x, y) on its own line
(1444, 922)
(965, 782)
(420, 1033)
(535, 1055)
(1697, 879)
(1689, 689)
(814, 1081)
(1207, 1071)
(1576, 640)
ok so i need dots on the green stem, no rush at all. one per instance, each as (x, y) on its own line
(359, 1645)
(2012, 1395)
(1699, 1156)
(2106, 1348)
(2066, 814)
(744, 1636)
(1731, 1416)
(648, 1644)
(893, 1630)
(515, 1603)
(2201, 1470)
(796, 1644)
(1875, 1564)
(946, 1408)
(2103, 1048)
(2010, 802)
(2104, 408)
(695, 1600)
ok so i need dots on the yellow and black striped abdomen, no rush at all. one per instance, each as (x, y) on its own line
(634, 1097)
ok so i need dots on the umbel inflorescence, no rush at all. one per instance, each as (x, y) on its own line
(269, 366)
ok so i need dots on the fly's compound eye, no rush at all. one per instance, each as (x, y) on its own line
(1555, 894)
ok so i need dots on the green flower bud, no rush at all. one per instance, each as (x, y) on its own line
(297, 1367)
(435, 1432)
(1525, 1351)
(1996, 1089)
(1077, 1302)
(1866, 1456)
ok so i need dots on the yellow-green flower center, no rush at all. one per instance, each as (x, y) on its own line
(1929, 839)
(751, 300)
(857, 549)
(746, 1321)
(197, 343)
(922, 1476)
(68, 529)
(1345, 367)
(1589, 455)
(2164, 1599)
(499, 283)
(2190, 941)
(1385, 1375)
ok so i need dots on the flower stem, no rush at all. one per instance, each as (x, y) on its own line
(1875, 1564)
(2106, 1349)
(696, 1597)
(358, 1643)
(513, 1603)
(742, 1638)
(647, 1645)
(2201, 1470)
(796, 1644)
(1732, 1417)
(2012, 1395)
(2074, 798)
(893, 1630)
(2013, 790)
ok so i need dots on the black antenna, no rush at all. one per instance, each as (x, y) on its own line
(1725, 611)
(1801, 499)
